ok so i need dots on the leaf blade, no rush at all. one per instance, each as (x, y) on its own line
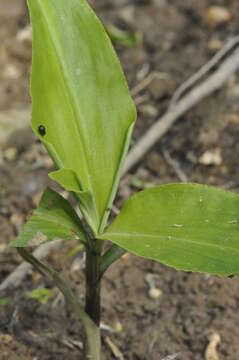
(80, 95)
(187, 226)
(53, 219)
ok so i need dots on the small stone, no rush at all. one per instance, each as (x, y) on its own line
(211, 157)
(10, 154)
(25, 35)
(216, 16)
(118, 327)
(155, 293)
(215, 44)
(11, 72)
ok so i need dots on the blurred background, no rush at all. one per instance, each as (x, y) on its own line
(149, 310)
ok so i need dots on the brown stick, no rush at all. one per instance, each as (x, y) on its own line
(206, 88)
(175, 166)
(19, 274)
(204, 70)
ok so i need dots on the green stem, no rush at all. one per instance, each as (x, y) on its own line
(93, 283)
(110, 256)
(93, 342)
(93, 288)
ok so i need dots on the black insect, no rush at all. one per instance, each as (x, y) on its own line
(42, 130)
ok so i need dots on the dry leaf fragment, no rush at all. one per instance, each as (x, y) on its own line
(211, 350)
(114, 349)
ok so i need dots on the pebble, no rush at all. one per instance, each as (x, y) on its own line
(118, 327)
(155, 293)
(216, 16)
(10, 154)
(215, 44)
(25, 35)
(11, 72)
(211, 157)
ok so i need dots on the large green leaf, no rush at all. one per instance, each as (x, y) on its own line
(80, 99)
(53, 219)
(190, 227)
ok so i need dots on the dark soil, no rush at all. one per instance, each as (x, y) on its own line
(176, 42)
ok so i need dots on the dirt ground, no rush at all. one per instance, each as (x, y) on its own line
(192, 308)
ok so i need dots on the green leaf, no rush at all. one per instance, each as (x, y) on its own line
(3, 301)
(126, 38)
(187, 226)
(81, 98)
(53, 219)
(68, 179)
(42, 295)
(76, 250)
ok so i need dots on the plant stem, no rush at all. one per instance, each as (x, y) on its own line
(93, 283)
(92, 301)
(92, 331)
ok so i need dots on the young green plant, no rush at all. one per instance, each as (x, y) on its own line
(83, 113)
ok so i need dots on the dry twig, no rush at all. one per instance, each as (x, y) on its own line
(114, 349)
(143, 84)
(175, 166)
(204, 70)
(147, 81)
(211, 350)
(201, 91)
(18, 275)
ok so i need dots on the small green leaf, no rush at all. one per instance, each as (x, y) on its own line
(137, 183)
(187, 226)
(75, 250)
(42, 295)
(82, 108)
(126, 38)
(68, 179)
(53, 219)
(3, 301)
